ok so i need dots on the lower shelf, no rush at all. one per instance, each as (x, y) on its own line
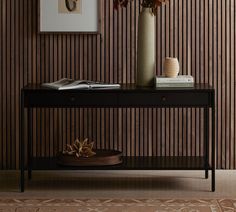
(130, 163)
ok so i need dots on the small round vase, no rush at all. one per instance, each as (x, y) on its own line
(171, 67)
(146, 49)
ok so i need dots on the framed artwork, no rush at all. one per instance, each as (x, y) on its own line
(82, 16)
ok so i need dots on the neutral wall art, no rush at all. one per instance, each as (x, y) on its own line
(69, 16)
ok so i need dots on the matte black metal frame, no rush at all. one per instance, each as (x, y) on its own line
(201, 96)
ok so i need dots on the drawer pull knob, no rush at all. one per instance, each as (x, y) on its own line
(163, 98)
(72, 99)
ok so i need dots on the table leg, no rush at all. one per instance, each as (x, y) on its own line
(29, 143)
(206, 140)
(22, 152)
(213, 150)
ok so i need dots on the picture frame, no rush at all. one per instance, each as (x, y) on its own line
(69, 16)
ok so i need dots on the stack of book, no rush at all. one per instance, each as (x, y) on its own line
(175, 82)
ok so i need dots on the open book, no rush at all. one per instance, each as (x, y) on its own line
(67, 84)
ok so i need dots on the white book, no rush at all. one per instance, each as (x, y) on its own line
(175, 85)
(179, 78)
(68, 84)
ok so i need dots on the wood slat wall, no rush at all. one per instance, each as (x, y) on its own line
(201, 33)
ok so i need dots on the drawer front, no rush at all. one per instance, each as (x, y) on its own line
(140, 99)
(71, 100)
(164, 99)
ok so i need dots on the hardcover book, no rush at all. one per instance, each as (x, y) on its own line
(178, 79)
(175, 85)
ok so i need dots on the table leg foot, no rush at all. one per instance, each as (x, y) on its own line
(29, 174)
(22, 182)
(206, 174)
(213, 181)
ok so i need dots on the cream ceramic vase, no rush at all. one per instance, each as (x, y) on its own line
(171, 67)
(146, 49)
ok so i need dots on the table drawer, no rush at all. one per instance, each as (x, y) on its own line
(163, 99)
(71, 100)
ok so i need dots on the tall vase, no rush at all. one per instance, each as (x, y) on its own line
(146, 49)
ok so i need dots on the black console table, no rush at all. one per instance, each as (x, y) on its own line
(201, 96)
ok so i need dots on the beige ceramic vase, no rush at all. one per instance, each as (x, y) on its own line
(146, 49)
(171, 67)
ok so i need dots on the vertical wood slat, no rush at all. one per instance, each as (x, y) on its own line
(200, 33)
(1, 77)
(4, 36)
(232, 77)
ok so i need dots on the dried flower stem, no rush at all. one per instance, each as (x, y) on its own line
(153, 4)
(80, 149)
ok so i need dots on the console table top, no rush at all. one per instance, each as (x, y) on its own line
(125, 88)
(129, 95)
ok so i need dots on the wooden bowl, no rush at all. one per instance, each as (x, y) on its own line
(102, 158)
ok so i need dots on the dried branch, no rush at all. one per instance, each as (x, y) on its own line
(153, 4)
(80, 149)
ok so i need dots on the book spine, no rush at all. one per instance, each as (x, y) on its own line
(174, 80)
(160, 85)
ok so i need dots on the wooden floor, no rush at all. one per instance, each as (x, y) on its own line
(119, 184)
